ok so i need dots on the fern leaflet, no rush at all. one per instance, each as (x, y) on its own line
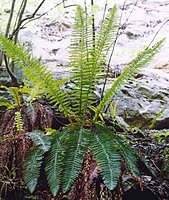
(54, 163)
(77, 145)
(107, 158)
(32, 167)
(37, 74)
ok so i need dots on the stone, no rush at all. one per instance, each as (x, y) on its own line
(141, 100)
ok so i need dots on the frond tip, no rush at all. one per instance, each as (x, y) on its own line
(37, 74)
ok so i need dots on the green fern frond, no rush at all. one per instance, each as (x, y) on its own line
(87, 56)
(80, 57)
(54, 163)
(18, 121)
(32, 167)
(104, 40)
(139, 62)
(105, 37)
(77, 144)
(37, 74)
(128, 154)
(107, 158)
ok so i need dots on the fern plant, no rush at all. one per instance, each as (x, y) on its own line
(65, 149)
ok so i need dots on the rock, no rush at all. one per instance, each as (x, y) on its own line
(141, 101)
(137, 193)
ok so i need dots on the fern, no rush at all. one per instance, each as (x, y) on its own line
(65, 149)
(54, 163)
(80, 56)
(128, 154)
(37, 74)
(139, 62)
(108, 159)
(32, 167)
(87, 56)
(77, 144)
(18, 121)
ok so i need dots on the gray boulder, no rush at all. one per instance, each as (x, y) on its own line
(141, 101)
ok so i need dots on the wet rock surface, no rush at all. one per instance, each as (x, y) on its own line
(140, 101)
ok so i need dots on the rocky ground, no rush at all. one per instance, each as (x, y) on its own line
(155, 152)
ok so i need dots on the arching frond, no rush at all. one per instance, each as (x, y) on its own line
(107, 158)
(37, 74)
(54, 163)
(139, 62)
(32, 167)
(77, 144)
